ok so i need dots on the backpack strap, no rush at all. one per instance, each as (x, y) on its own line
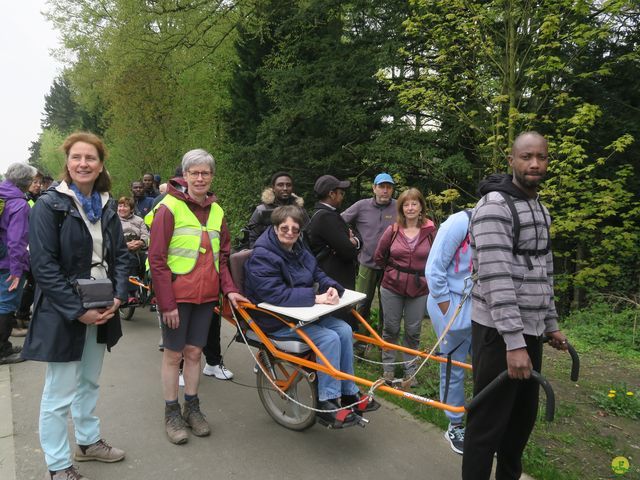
(325, 250)
(516, 232)
(515, 218)
(395, 227)
(466, 241)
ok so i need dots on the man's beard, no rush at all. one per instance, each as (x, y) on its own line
(529, 182)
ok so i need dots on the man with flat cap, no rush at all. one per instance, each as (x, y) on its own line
(332, 242)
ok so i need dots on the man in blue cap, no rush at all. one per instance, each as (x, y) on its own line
(371, 217)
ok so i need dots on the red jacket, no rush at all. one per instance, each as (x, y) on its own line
(404, 271)
(203, 284)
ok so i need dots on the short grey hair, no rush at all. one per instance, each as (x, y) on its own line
(198, 157)
(21, 175)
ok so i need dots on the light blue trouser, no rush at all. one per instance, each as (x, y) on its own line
(396, 307)
(451, 340)
(334, 338)
(71, 386)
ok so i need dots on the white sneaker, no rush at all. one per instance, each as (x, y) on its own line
(219, 371)
(181, 380)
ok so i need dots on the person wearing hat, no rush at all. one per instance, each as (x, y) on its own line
(330, 238)
(371, 217)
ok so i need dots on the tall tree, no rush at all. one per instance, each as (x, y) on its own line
(498, 67)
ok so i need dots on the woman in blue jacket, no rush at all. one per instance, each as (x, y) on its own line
(447, 268)
(282, 272)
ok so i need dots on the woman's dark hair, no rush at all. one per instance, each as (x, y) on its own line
(280, 215)
(411, 194)
(127, 201)
(103, 182)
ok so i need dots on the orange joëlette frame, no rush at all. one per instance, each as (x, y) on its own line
(373, 338)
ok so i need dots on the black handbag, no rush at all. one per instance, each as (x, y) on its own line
(95, 293)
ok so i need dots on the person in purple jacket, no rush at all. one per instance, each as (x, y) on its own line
(14, 257)
(281, 271)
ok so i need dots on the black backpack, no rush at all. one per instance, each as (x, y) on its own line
(516, 232)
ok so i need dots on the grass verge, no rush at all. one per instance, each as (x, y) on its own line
(591, 429)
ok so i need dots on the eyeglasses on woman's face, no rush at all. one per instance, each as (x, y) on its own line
(287, 229)
(205, 175)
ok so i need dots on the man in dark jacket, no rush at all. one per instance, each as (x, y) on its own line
(142, 203)
(14, 257)
(332, 242)
(278, 194)
(512, 309)
(149, 185)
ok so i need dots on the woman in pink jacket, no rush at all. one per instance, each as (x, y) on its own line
(402, 252)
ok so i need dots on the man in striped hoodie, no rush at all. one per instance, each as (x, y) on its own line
(512, 309)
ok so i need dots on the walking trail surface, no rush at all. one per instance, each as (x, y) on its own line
(245, 442)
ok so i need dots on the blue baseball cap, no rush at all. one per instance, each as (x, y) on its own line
(383, 178)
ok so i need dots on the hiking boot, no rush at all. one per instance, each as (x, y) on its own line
(175, 425)
(195, 418)
(455, 436)
(219, 371)
(363, 404)
(69, 473)
(100, 451)
(11, 358)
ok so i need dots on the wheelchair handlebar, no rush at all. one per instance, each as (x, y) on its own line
(504, 377)
(575, 360)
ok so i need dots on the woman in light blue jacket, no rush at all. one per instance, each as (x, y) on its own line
(448, 265)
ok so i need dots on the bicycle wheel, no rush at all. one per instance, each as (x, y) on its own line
(126, 312)
(285, 412)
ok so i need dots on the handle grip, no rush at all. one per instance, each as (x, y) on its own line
(575, 360)
(550, 406)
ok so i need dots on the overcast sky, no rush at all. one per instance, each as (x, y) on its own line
(28, 70)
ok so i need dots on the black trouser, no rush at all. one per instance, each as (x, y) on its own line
(28, 291)
(212, 349)
(6, 324)
(501, 424)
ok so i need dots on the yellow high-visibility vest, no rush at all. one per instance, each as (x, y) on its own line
(184, 247)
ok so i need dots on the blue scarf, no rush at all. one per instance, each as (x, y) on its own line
(91, 205)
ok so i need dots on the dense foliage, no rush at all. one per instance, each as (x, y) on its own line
(431, 90)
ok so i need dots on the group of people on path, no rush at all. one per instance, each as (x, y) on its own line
(376, 241)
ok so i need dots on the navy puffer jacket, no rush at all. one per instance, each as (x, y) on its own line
(61, 249)
(284, 278)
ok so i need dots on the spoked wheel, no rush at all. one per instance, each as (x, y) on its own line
(126, 312)
(293, 380)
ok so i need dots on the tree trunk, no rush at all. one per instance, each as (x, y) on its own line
(578, 292)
